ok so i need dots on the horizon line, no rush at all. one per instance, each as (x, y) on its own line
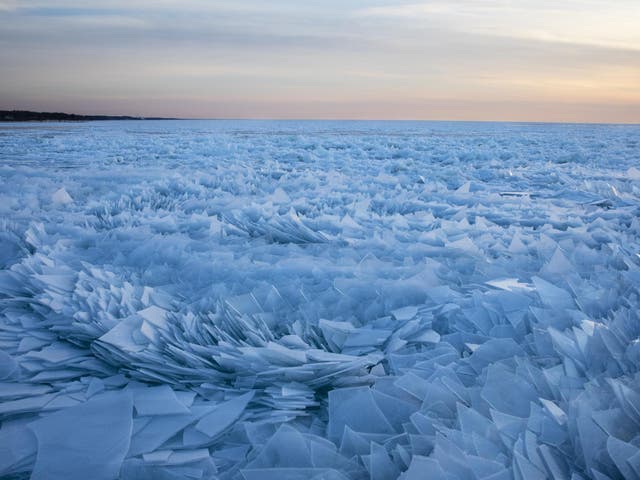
(306, 119)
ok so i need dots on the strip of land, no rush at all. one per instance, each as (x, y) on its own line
(28, 116)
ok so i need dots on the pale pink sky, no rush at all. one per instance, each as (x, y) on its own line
(462, 60)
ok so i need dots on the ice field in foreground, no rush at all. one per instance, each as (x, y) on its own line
(319, 300)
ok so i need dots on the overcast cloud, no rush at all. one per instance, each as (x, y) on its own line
(481, 59)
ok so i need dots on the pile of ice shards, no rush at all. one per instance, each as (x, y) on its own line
(319, 301)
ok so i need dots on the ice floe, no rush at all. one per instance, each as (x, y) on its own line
(326, 300)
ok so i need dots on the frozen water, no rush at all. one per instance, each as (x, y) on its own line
(328, 300)
(89, 440)
(61, 197)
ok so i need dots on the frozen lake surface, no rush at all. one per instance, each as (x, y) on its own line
(329, 300)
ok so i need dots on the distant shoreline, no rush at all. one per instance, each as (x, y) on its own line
(28, 116)
(17, 116)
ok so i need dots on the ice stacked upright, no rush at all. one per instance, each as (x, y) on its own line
(319, 300)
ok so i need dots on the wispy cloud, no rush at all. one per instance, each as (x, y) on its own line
(7, 5)
(613, 24)
(287, 52)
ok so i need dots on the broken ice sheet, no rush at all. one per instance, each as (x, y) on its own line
(405, 313)
(153, 432)
(223, 415)
(8, 366)
(86, 441)
(552, 295)
(61, 197)
(509, 284)
(355, 408)
(507, 393)
(160, 400)
(351, 300)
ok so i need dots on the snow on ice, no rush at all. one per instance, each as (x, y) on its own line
(326, 300)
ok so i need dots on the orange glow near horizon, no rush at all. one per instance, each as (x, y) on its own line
(519, 60)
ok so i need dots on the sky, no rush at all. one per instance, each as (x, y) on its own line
(519, 60)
